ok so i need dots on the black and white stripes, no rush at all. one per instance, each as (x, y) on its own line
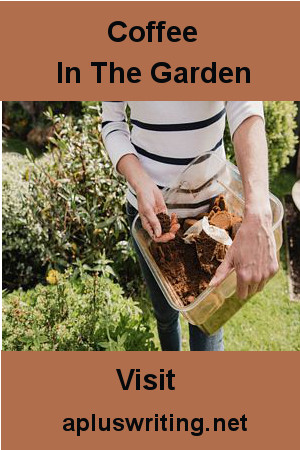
(166, 136)
(188, 126)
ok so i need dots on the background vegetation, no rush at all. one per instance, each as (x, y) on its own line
(68, 267)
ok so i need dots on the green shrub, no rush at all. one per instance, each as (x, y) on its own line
(89, 313)
(21, 117)
(280, 124)
(17, 119)
(22, 248)
(78, 201)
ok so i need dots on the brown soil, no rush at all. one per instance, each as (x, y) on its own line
(190, 267)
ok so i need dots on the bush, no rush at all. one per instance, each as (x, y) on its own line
(280, 124)
(78, 201)
(22, 248)
(22, 117)
(89, 313)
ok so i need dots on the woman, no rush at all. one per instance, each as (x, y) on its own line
(165, 138)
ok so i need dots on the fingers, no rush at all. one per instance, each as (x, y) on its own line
(261, 285)
(249, 283)
(252, 288)
(150, 223)
(146, 225)
(160, 203)
(222, 272)
(241, 288)
(174, 228)
(174, 220)
(164, 238)
(174, 224)
(149, 207)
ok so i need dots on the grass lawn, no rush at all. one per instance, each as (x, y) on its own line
(269, 321)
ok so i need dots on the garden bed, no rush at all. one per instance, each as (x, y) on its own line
(292, 233)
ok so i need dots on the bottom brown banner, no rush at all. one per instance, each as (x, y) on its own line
(86, 400)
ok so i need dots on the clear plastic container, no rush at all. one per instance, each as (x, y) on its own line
(197, 183)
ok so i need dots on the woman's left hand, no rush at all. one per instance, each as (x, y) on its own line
(252, 255)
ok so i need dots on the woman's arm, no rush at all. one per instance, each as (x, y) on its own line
(116, 137)
(115, 131)
(149, 198)
(253, 252)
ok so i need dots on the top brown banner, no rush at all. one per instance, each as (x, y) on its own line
(254, 45)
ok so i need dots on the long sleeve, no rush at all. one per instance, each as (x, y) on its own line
(237, 112)
(115, 131)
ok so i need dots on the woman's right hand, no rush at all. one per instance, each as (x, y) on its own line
(149, 197)
(150, 203)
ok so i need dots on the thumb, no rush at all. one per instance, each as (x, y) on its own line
(222, 271)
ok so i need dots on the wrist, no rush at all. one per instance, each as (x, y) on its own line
(258, 213)
(142, 183)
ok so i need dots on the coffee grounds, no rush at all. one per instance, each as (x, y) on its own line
(221, 219)
(190, 267)
(165, 222)
(210, 253)
(179, 264)
(220, 202)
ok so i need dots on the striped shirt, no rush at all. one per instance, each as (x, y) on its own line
(167, 136)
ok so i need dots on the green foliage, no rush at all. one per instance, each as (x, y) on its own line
(78, 201)
(87, 313)
(17, 119)
(283, 183)
(21, 117)
(22, 247)
(280, 125)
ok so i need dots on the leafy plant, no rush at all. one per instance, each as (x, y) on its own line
(78, 201)
(22, 247)
(86, 313)
(21, 117)
(280, 125)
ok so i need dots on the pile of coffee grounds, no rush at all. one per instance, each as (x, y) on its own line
(221, 219)
(210, 253)
(178, 262)
(165, 222)
(190, 267)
